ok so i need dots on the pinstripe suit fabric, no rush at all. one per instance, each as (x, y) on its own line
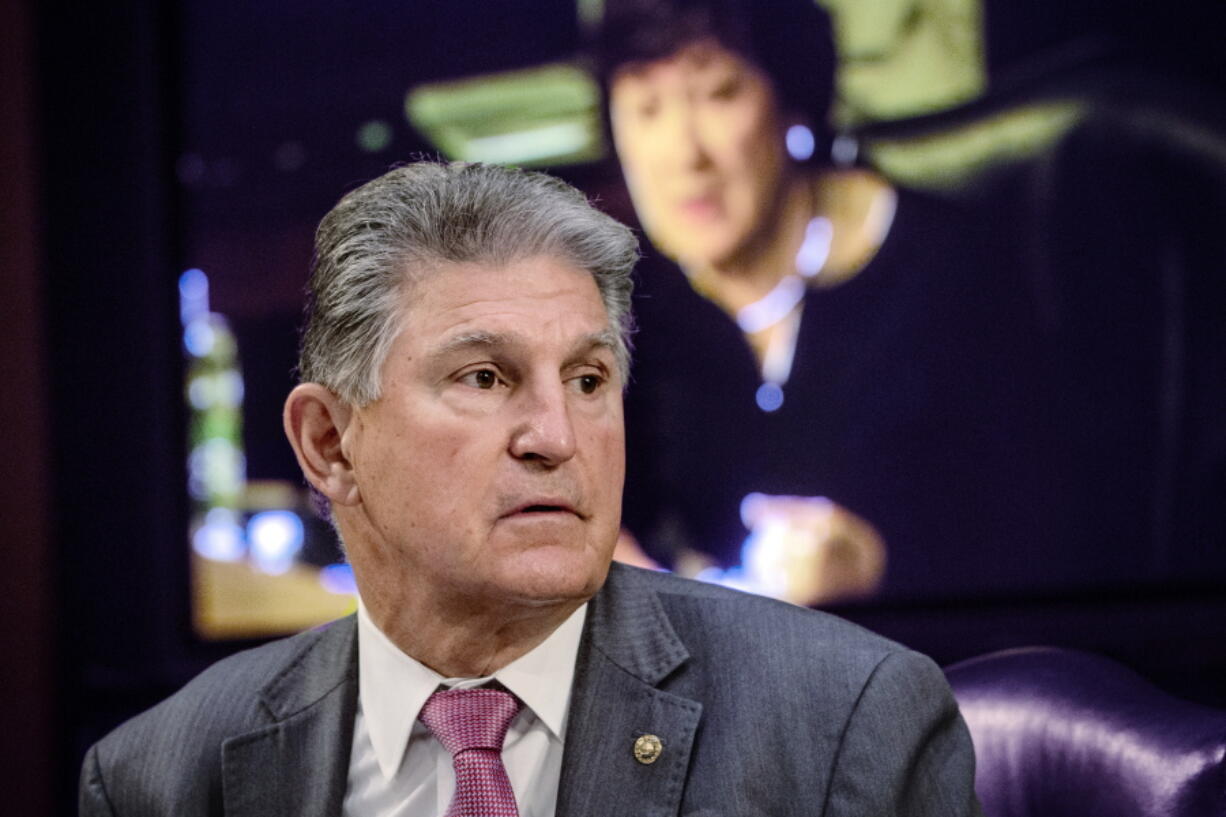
(762, 709)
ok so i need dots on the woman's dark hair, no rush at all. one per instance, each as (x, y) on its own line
(790, 40)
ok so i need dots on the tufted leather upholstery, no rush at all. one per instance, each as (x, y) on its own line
(1060, 732)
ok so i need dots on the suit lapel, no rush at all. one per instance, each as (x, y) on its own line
(299, 764)
(629, 647)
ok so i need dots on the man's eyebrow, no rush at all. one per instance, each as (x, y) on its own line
(604, 339)
(478, 337)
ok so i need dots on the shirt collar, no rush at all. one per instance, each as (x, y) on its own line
(393, 687)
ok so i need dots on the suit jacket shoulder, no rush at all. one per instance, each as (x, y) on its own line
(187, 755)
(760, 707)
(767, 644)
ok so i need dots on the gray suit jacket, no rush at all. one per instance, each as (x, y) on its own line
(762, 709)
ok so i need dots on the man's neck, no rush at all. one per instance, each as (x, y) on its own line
(463, 640)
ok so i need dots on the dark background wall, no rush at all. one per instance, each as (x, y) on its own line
(27, 676)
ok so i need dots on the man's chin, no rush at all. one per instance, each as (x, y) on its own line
(548, 575)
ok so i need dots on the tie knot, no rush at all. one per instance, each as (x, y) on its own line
(464, 719)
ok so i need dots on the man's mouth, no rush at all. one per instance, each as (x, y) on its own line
(542, 507)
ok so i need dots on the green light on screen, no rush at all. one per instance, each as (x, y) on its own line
(374, 136)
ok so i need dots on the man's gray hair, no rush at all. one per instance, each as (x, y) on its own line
(391, 232)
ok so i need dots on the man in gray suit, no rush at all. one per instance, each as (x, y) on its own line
(460, 411)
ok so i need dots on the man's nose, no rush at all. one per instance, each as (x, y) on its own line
(543, 432)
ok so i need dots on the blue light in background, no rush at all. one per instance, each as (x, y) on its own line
(844, 150)
(220, 538)
(275, 537)
(338, 579)
(772, 307)
(733, 577)
(800, 142)
(815, 249)
(199, 337)
(193, 296)
(769, 397)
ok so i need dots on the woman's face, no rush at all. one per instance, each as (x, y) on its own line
(702, 150)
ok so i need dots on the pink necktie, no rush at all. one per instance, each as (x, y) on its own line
(471, 724)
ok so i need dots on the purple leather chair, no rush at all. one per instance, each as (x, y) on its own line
(1059, 732)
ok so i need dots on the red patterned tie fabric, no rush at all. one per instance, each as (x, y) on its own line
(471, 724)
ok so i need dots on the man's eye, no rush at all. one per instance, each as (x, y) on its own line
(589, 383)
(481, 379)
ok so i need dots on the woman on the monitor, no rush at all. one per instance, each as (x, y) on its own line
(799, 399)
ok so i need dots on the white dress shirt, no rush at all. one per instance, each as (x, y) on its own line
(398, 769)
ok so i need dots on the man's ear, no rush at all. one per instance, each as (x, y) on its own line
(315, 420)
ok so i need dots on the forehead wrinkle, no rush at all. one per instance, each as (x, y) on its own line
(483, 339)
(477, 338)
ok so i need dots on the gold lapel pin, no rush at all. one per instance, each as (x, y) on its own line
(647, 748)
